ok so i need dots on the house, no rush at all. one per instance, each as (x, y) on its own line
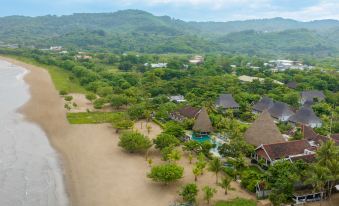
(263, 104)
(300, 197)
(55, 48)
(177, 98)
(245, 78)
(263, 131)
(226, 101)
(159, 65)
(187, 112)
(316, 139)
(305, 116)
(197, 60)
(309, 97)
(202, 125)
(280, 111)
(292, 85)
(270, 153)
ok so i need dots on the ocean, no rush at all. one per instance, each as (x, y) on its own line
(30, 170)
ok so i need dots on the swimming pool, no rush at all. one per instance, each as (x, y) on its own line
(202, 138)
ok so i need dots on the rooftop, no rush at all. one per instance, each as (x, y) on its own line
(226, 101)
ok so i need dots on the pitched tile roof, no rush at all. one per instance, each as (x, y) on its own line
(286, 149)
(188, 111)
(309, 158)
(226, 101)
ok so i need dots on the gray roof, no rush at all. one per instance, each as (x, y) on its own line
(312, 94)
(263, 104)
(280, 109)
(226, 101)
(304, 115)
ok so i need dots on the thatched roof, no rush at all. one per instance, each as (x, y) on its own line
(306, 116)
(226, 101)
(203, 122)
(311, 95)
(280, 109)
(292, 85)
(263, 104)
(263, 131)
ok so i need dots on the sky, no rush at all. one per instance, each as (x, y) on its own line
(189, 10)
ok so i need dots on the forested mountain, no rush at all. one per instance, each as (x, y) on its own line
(134, 30)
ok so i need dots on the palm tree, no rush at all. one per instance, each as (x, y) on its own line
(215, 165)
(225, 183)
(208, 193)
(197, 171)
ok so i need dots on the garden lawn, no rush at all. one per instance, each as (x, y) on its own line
(237, 202)
(92, 117)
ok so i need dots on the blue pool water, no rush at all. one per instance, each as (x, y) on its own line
(201, 138)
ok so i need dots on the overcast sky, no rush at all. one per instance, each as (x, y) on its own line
(197, 10)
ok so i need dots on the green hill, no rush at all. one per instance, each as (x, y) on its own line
(135, 30)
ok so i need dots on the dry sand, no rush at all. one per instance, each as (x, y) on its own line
(97, 171)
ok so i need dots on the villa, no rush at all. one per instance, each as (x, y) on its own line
(280, 111)
(197, 60)
(271, 153)
(309, 97)
(263, 104)
(177, 98)
(202, 126)
(187, 112)
(226, 101)
(306, 117)
(263, 131)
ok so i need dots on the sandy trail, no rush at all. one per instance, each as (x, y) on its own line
(97, 171)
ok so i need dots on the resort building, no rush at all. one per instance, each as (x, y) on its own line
(271, 153)
(280, 111)
(226, 101)
(187, 112)
(197, 60)
(245, 78)
(177, 98)
(202, 126)
(309, 97)
(292, 85)
(316, 139)
(157, 65)
(305, 116)
(263, 131)
(263, 104)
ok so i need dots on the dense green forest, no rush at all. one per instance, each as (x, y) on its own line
(134, 30)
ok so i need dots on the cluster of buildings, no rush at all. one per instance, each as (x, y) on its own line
(282, 65)
(270, 144)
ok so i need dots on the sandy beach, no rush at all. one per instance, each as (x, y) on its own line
(97, 171)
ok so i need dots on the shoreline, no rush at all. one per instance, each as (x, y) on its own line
(96, 171)
(33, 73)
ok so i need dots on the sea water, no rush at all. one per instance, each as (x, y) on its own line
(30, 172)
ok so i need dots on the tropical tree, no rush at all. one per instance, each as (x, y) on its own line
(201, 162)
(318, 176)
(189, 192)
(165, 140)
(215, 165)
(225, 183)
(208, 193)
(175, 129)
(134, 142)
(197, 171)
(166, 173)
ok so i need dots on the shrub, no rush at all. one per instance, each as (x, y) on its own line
(166, 173)
(164, 140)
(134, 142)
(68, 98)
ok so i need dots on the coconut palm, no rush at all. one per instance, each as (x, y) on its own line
(225, 183)
(215, 165)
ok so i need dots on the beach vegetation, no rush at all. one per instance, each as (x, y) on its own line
(165, 140)
(189, 192)
(92, 117)
(237, 202)
(215, 165)
(209, 192)
(134, 142)
(166, 173)
(225, 183)
(68, 98)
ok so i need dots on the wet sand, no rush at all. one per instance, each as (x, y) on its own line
(97, 171)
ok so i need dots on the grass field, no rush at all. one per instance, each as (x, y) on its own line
(92, 117)
(60, 77)
(237, 202)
